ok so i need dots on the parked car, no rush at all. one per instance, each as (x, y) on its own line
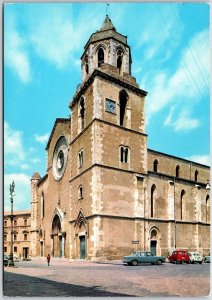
(6, 260)
(179, 256)
(195, 257)
(143, 257)
(207, 259)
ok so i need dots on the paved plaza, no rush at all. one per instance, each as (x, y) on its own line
(84, 278)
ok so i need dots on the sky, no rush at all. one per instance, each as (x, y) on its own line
(43, 43)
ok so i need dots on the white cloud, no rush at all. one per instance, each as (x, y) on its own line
(189, 82)
(22, 191)
(15, 153)
(181, 122)
(13, 146)
(202, 159)
(42, 138)
(15, 54)
(35, 160)
(56, 36)
(169, 29)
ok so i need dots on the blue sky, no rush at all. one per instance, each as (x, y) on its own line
(43, 43)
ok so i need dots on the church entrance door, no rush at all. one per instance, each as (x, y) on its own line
(57, 238)
(153, 245)
(82, 247)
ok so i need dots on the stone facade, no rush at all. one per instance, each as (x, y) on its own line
(21, 234)
(104, 193)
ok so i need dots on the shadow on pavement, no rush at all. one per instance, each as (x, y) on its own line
(28, 286)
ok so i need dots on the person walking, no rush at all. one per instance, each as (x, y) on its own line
(48, 259)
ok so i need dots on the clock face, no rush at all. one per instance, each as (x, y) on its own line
(60, 158)
(110, 106)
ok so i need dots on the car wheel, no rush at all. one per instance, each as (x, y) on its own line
(200, 262)
(134, 262)
(159, 262)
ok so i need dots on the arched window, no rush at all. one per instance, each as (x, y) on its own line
(153, 188)
(42, 205)
(124, 154)
(155, 165)
(123, 97)
(119, 61)
(100, 57)
(86, 68)
(80, 159)
(177, 171)
(182, 204)
(196, 176)
(207, 211)
(86, 64)
(80, 192)
(82, 113)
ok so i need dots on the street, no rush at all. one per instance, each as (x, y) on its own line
(85, 278)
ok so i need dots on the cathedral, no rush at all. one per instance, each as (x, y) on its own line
(105, 193)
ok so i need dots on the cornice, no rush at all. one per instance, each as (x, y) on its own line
(97, 73)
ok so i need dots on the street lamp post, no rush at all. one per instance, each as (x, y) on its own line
(12, 189)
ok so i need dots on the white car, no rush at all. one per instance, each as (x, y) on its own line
(195, 257)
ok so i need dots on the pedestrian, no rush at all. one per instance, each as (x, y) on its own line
(48, 259)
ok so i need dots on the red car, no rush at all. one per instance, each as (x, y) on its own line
(179, 256)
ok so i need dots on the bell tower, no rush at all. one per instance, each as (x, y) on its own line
(108, 139)
(106, 46)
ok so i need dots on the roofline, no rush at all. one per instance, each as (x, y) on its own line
(98, 73)
(99, 31)
(18, 212)
(179, 158)
(42, 179)
(58, 120)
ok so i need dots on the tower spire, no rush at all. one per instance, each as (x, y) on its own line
(107, 24)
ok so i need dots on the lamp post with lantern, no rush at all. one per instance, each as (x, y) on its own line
(12, 194)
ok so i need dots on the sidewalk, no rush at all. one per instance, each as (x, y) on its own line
(71, 260)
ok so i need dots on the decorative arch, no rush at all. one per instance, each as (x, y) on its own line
(207, 210)
(86, 64)
(155, 165)
(177, 171)
(100, 54)
(42, 205)
(196, 176)
(57, 234)
(81, 223)
(119, 58)
(56, 225)
(81, 113)
(80, 192)
(154, 233)
(182, 205)
(154, 236)
(123, 99)
(152, 203)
